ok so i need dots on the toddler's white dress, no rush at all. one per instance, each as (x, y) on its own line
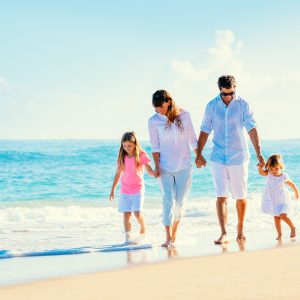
(276, 197)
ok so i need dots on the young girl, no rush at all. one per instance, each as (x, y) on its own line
(276, 197)
(131, 160)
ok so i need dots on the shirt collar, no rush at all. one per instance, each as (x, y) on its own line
(235, 97)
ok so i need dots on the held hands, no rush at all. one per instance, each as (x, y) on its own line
(156, 172)
(200, 161)
(152, 173)
(261, 160)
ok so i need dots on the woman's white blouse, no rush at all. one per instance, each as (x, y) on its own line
(173, 144)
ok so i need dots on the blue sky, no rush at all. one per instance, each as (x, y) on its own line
(87, 69)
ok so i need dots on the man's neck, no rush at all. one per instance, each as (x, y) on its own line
(227, 102)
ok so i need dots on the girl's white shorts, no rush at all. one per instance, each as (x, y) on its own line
(131, 202)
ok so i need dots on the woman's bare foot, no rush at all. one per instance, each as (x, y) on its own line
(279, 237)
(293, 233)
(241, 238)
(240, 234)
(221, 240)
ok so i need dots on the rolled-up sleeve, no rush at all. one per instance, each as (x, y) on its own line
(153, 134)
(248, 119)
(191, 132)
(206, 125)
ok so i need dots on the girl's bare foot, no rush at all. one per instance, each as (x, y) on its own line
(293, 233)
(278, 237)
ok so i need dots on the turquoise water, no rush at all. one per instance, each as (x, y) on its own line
(83, 170)
(54, 195)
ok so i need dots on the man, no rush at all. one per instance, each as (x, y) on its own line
(228, 115)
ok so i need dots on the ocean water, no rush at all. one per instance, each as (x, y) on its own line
(54, 196)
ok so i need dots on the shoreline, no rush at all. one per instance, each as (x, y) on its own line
(30, 270)
(261, 274)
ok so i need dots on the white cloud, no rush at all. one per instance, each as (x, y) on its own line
(194, 83)
(222, 58)
(189, 71)
(226, 50)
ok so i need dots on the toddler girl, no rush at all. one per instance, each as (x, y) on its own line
(276, 197)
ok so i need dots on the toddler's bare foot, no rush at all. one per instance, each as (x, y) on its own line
(221, 240)
(293, 233)
(278, 237)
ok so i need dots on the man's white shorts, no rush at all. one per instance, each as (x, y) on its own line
(230, 180)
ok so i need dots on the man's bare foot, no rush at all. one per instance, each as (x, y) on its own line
(166, 243)
(279, 237)
(221, 240)
(171, 245)
(293, 233)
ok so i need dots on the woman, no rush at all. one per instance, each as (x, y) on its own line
(172, 136)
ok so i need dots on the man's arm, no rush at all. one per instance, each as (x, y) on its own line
(200, 160)
(256, 144)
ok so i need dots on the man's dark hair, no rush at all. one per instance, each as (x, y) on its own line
(227, 82)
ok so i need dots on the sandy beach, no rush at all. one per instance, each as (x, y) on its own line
(264, 274)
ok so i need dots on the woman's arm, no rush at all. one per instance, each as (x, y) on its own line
(293, 187)
(156, 163)
(191, 133)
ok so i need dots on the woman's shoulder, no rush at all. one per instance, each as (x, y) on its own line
(183, 112)
(156, 118)
(153, 117)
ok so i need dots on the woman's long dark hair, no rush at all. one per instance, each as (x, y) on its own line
(159, 98)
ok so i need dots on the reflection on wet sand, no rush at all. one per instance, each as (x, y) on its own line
(137, 257)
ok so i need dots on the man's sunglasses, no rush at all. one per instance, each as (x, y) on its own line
(227, 94)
